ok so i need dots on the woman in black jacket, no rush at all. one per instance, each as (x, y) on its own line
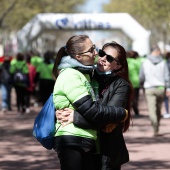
(115, 89)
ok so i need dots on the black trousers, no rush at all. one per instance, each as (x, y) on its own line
(75, 158)
(45, 89)
(104, 163)
(107, 164)
(20, 95)
(135, 101)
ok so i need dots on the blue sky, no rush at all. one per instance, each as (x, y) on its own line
(93, 6)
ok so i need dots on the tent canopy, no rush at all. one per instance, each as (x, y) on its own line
(83, 21)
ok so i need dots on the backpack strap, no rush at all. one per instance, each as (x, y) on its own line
(19, 69)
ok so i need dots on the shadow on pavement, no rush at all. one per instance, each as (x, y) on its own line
(21, 151)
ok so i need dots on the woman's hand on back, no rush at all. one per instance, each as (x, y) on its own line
(65, 116)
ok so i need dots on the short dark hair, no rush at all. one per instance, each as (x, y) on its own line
(154, 48)
(20, 56)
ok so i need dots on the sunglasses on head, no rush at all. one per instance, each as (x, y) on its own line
(91, 50)
(109, 58)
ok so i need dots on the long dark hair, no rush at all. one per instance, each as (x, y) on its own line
(124, 73)
(74, 46)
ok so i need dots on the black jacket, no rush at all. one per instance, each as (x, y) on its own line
(116, 94)
(5, 76)
(95, 113)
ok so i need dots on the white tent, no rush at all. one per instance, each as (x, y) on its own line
(85, 21)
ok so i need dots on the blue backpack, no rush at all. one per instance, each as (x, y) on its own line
(44, 124)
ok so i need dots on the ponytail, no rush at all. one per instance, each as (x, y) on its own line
(62, 52)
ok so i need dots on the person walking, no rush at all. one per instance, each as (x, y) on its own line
(36, 61)
(6, 84)
(155, 77)
(134, 68)
(32, 81)
(166, 99)
(45, 78)
(72, 89)
(20, 78)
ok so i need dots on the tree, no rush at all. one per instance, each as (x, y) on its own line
(14, 14)
(152, 14)
(5, 13)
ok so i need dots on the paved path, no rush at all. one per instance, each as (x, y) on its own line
(20, 151)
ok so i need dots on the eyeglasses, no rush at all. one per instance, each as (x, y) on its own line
(109, 58)
(91, 50)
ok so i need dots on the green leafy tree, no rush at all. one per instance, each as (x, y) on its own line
(152, 14)
(14, 14)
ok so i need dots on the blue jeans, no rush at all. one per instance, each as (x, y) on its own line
(6, 96)
(166, 102)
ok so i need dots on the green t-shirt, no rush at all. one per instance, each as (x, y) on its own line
(15, 64)
(133, 68)
(36, 60)
(45, 70)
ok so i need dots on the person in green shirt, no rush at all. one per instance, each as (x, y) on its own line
(19, 64)
(134, 64)
(45, 78)
(36, 60)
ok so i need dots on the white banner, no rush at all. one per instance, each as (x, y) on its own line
(96, 21)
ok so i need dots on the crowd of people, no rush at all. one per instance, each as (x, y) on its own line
(30, 76)
(95, 101)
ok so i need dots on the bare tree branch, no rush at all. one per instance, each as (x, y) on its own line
(6, 12)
